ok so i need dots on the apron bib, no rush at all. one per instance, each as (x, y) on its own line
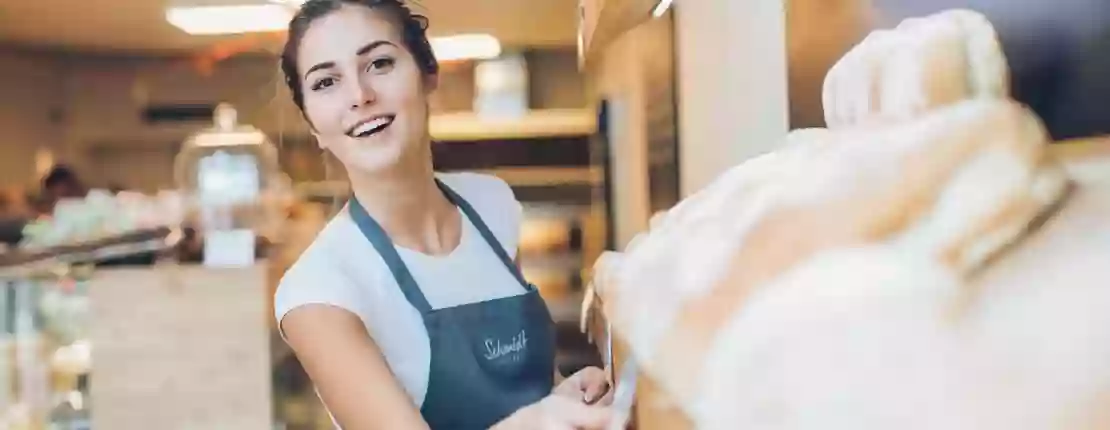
(488, 359)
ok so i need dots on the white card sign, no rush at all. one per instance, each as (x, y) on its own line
(229, 248)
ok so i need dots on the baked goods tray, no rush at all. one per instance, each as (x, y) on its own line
(19, 264)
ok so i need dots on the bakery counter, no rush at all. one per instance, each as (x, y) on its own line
(183, 346)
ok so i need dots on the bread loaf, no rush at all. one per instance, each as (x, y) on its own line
(922, 64)
(914, 188)
(923, 264)
(878, 338)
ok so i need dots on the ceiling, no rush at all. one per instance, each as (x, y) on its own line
(139, 26)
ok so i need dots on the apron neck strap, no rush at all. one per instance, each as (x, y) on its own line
(484, 230)
(384, 245)
(397, 267)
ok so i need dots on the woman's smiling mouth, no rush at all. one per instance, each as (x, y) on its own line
(370, 127)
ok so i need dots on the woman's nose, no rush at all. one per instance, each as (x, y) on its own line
(362, 94)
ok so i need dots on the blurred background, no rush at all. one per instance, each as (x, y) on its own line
(157, 181)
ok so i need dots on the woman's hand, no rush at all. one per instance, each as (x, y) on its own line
(557, 412)
(589, 385)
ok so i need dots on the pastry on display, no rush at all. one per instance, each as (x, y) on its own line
(101, 216)
(544, 235)
(922, 64)
(927, 266)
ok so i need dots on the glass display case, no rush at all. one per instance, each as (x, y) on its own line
(45, 311)
(46, 355)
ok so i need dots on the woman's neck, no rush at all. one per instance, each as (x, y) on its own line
(410, 207)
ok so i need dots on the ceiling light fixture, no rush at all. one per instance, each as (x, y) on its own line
(236, 19)
(275, 16)
(466, 47)
(447, 48)
(661, 8)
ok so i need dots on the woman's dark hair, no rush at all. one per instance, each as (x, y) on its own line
(413, 29)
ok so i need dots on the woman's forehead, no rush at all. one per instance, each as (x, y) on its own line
(342, 33)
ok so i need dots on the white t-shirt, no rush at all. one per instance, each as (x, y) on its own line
(341, 268)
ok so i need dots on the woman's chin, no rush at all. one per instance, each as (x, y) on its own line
(375, 160)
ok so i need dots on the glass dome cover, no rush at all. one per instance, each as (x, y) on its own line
(229, 163)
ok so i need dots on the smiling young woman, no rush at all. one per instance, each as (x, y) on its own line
(407, 310)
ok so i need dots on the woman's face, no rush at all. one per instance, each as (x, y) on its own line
(364, 94)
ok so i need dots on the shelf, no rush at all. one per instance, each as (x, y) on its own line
(543, 175)
(20, 264)
(603, 21)
(568, 309)
(555, 262)
(469, 126)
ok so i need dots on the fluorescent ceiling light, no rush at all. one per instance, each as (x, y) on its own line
(661, 8)
(448, 48)
(274, 17)
(466, 47)
(211, 20)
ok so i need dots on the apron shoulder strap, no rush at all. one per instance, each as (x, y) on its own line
(384, 245)
(484, 230)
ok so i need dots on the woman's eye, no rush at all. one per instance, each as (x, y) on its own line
(381, 65)
(322, 83)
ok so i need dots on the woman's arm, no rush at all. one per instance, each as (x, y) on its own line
(349, 370)
(355, 383)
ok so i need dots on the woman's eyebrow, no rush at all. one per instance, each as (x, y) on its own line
(366, 49)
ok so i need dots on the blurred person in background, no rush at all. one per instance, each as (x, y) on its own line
(60, 183)
(407, 310)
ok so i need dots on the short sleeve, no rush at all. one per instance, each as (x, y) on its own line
(315, 279)
(510, 213)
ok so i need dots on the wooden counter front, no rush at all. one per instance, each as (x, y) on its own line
(180, 348)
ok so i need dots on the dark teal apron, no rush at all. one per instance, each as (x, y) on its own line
(489, 358)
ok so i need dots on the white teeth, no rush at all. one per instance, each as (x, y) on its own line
(369, 126)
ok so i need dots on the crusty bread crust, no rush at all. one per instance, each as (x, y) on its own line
(877, 242)
(922, 64)
(953, 188)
